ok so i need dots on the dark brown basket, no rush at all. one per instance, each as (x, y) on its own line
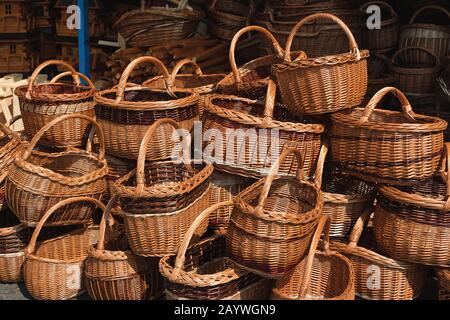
(443, 276)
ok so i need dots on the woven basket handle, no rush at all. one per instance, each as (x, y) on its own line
(11, 121)
(270, 102)
(357, 230)
(234, 68)
(352, 42)
(73, 72)
(5, 128)
(429, 52)
(181, 253)
(32, 244)
(38, 136)
(380, 3)
(273, 172)
(68, 73)
(148, 137)
(429, 7)
(406, 106)
(445, 174)
(105, 217)
(318, 175)
(181, 64)
(133, 64)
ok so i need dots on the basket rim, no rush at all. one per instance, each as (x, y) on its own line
(180, 77)
(88, 92)
(110, 255)
(429, 26)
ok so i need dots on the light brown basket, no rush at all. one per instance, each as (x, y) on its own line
(54, 269)
(273, 222)
(40, 104)
(378, 277)
(324, 84)
(10, 146)
(39, 180)
(161, 200)
(382, 146)
(126, 113)
(443, 276)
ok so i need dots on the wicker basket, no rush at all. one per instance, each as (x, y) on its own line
(39, 180)
(443, 276)
(325, 84)
(126, 113)
(257, 136)
(162, 22)
(117, 168)
(381, 145)
(10, 147)
(378, 277)
(416, 79)
(40, 104)
(202, 83)
(160, 200)
(425, 35)
(54, 269)
(380, 75)
(113, 272)
(273, 221)
(384, 38)
(321, 275)
(206, 274)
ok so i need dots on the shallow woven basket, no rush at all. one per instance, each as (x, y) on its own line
(54, 269)
(443, 276)
(126, 113)
(203, 84)
(324, 84)
(378, 277)
(425, 35)
(321, 275)
(162, 22)
(39, 180)
(160, 200)
(40, 104)
(259, 135)
(203, 272)
(381, 145)
(113, 272)
(273, 222)
(384, 38)
(415, 78)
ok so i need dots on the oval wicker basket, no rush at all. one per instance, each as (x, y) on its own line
(273, 220)
(380, 145)
(126, 113)
(324, 84)
(39, 180)
(40, 104)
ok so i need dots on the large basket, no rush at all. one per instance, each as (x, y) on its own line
(425, 35)
(248, 136)
(113, 272)
(382, 145)
(378, 277)
(273, 220)
(40, 104)
(415, 78)
(443, 276)
(39, 180)
(126, 113)
(324, 84)
(321, 275)
(154, 26)
(160, 200)
(201, 83)
(54, 269)
(204, 272)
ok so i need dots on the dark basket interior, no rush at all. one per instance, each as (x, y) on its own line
(147, 95)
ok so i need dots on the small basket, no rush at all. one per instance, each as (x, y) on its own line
(203, 84)
(381, 145)
(125, 113)
(395, 279)
(273, 222)
(321, 275)
(160, 200)
(324, 84)
(39, 180)
(54, 269)
(203, 272)
(40, 104)
(114, 273)
(443, 276)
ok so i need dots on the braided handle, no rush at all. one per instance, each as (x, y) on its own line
(73, 73)
(32, 244)
(429, 52)
(181, 253)
(182, 63)
(68, 73)
(352, 42)
(357, 230)
(373, 103)
(429, 7)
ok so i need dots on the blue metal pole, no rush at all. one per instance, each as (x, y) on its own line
(83, 39)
